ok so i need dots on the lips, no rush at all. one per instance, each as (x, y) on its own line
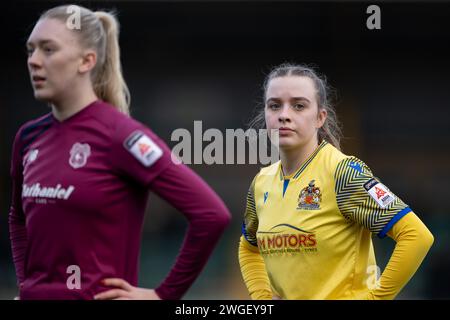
(38, 81)
(285, 131)
(38, 78)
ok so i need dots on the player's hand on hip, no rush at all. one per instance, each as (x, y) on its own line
(125, 291)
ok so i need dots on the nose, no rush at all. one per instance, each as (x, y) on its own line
(34, 60)
(284, 115)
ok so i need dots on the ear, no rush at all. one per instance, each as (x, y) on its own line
(321, 117)
(88, 61)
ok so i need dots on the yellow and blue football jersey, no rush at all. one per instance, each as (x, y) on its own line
(313, 228)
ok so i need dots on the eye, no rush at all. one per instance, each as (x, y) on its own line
(48, 50)
(273, 106)
(298, 106)
(29, 51)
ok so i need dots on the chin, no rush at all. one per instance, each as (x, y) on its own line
(287, 141)
(287, 145)
(42, 96)
(290, 144)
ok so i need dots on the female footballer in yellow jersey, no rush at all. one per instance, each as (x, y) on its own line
(309, 217)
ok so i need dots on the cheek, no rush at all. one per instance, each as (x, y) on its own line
(63, 68)
(306, 123)
(270, 120)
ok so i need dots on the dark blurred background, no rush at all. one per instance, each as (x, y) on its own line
(187, 61)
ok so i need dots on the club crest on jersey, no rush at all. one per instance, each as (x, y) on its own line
(79, 154)
(143, 148)
(310, 197)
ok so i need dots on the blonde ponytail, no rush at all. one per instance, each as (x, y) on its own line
(109, 84)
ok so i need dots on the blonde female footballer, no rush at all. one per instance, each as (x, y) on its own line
(309, 217)
(82, 175)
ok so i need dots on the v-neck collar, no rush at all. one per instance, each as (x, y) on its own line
(76, 115)
(305, 164)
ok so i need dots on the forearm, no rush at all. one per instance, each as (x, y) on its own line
(200, 240)
(254, 272)
(18, 237)
(413, 242)
(16, 219)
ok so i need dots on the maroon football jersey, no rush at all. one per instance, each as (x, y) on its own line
(80, 189)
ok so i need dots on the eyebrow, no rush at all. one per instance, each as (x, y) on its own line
(293, 98)
(40, 42)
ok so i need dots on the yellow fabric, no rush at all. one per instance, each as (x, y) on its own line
(413, 240)
(254, 272)
(314, 236)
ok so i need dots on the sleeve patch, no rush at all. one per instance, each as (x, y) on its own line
(379, 192)
(143, 148)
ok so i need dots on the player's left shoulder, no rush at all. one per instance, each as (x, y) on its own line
(121, 125)
(330, 157)
(352, 166)
(135, 138)
(110, 116)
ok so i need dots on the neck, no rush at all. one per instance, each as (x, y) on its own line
(292, 159)
(73, 103)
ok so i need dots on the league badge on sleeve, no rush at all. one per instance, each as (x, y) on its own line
(379, 192)
(143, 148)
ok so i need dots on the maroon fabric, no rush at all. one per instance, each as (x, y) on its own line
(86, 208)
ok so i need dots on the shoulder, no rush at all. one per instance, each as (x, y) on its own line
(109, 116)
(121, 126)
(130, 137)
(352, 166)
(337, 163)
(266, 174)
(33, 126)
(269, 170)
(330, 157)
(265, 178)
(31, 129)
(26, 134)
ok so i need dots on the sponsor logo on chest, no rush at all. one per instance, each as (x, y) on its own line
(286, 238)
(38, 191)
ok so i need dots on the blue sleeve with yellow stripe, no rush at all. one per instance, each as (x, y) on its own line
(362, 198)
(250, 223)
